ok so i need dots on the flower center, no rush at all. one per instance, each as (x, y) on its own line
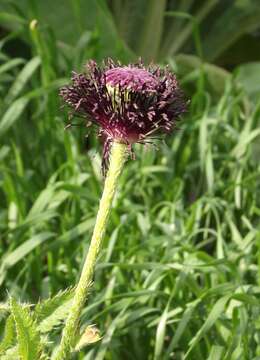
(121, 82)
(131, 78)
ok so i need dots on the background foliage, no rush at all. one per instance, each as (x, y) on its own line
(179, 274)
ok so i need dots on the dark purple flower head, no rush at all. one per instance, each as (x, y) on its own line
(128, 103)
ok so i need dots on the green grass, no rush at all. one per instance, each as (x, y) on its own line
(178, 277)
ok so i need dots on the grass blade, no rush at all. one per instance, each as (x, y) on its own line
(22, 78)
(214, 314)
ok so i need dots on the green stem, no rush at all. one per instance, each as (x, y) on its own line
(117, 158)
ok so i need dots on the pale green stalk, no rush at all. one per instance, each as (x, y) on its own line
(117, 157)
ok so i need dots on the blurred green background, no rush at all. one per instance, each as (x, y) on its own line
(178, 277)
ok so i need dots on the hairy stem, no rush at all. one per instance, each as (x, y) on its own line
(117, 157)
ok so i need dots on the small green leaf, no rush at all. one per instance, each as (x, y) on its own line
(28, 337)
(9, 335)
(51, 312)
